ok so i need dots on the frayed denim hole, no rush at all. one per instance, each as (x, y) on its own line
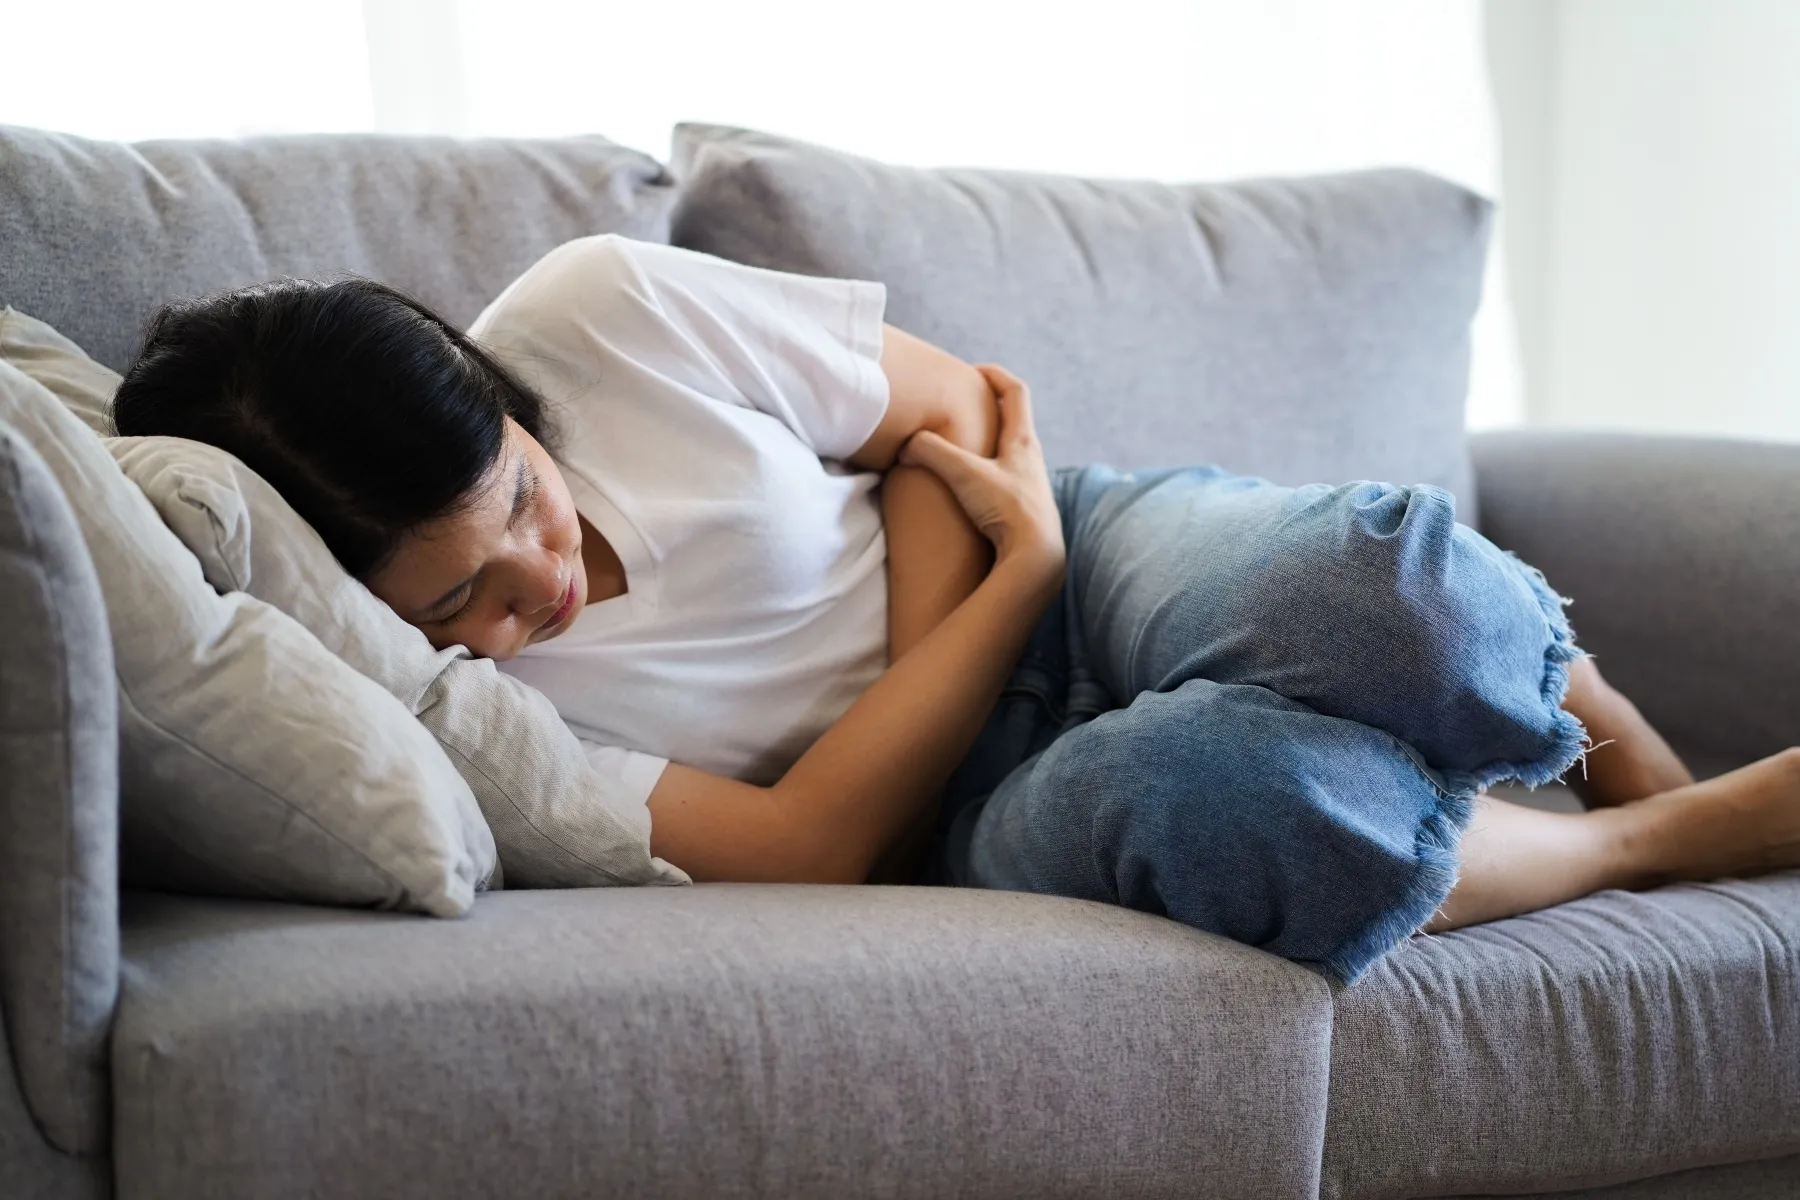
(1443, 783)
(1436, 845)
(1566, 740)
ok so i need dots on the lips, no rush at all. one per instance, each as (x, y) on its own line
(562, 612)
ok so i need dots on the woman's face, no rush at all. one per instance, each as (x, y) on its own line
(503, 572)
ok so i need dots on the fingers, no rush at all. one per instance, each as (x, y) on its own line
(944, 459)
(1003, 381)
(1014, 398)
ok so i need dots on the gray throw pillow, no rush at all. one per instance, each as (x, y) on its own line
(252, 760)
(1299, 329)
(553, 819)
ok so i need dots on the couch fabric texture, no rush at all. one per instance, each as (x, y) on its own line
(59, 934)
(1298, 329)
(1683, 559)
(794, 1041)
(98, 234)
(833, 1041)
(1617, 1036)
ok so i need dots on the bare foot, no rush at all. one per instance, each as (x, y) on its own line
(1745, 822)
(1628, 760)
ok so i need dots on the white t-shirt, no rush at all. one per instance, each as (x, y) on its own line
(701, 406)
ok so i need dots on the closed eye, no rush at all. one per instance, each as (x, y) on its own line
(468, 598)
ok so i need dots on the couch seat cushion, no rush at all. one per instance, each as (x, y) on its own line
(1620, 1036)
(722, 1040)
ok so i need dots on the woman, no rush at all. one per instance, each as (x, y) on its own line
(647, 482)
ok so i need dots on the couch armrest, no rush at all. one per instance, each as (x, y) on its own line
(59, 815)
(720, 1040)
(1682, 557)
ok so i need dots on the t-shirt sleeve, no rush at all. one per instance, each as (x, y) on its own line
(804, 350)
(629, 776)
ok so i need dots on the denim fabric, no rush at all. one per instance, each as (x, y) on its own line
(1262, 711)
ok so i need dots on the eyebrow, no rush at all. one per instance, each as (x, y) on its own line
(524, 491)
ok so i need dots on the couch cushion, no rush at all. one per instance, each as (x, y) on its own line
(1621, 1036)
(94, 235)
(59, 735)
(722, 1040)
(84, 386)
(32, 1168)
(1759, 1179)
(1302, 329)
(1681, 556)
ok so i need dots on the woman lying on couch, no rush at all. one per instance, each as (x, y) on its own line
(805, 586)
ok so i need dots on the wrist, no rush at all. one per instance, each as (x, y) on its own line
(1036, 563)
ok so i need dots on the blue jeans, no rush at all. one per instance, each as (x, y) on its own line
(1262, 711)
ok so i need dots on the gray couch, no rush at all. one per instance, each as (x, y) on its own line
(790, 1041)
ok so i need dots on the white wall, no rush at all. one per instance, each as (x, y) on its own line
(136, 69)
(1166, 89)
(1654, 210)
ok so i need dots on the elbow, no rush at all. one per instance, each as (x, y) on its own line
(969, 416)
(837, 871)
(805, 865)
(788, 863)
(818, 849)
(829, 860)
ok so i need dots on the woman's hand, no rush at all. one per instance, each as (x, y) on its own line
(1007, 497)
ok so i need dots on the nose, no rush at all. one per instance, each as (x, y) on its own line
(543, 582)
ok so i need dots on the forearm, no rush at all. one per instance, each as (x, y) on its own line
(936, 560)
(864, 782)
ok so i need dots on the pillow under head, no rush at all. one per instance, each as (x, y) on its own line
(554, 819)
(252, 760)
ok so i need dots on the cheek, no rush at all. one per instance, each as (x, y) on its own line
(495, 637)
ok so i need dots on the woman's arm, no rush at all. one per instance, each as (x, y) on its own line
(935, 557)
(935, 561)
(856, 790)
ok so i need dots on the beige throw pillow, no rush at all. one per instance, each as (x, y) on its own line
(553, 819)
(82, 384)
(252, 760)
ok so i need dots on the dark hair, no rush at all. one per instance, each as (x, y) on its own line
(368, 412)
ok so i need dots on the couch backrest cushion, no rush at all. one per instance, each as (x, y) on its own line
(59, 918)
(1300, 329)
(94, 235)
